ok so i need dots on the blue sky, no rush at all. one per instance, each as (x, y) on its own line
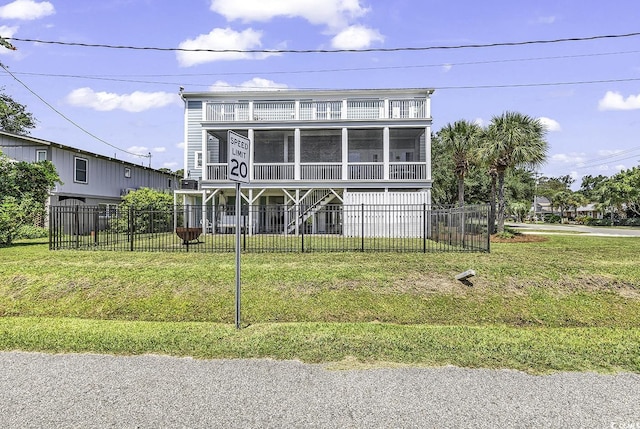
(128, 98)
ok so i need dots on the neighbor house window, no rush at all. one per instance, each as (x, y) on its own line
(169, 183)
(41, 155)
(80, 170)
(127, 172)
(198, 160)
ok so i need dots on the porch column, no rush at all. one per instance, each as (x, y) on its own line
(345, 154)
(204, 173)
(250, 134)
(385, 152)
(427, 150)
(296, 153)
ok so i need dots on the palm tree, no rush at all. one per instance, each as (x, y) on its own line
(512, 140)
(462, 139)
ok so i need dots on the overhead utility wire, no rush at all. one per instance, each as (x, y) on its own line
(322, 51)
(67, 118)
(122, 77)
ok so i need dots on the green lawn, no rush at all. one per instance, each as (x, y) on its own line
(569, 303)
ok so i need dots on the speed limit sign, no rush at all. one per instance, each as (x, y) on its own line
(239, 164)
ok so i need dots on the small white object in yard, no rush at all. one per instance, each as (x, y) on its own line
(465, 275)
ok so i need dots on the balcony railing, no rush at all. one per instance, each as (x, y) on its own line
(320, 110)
(368, 109)
(407, 171)
(274, 111)
(273, 171)
(366, 171)
(326, 172)
(321, 171)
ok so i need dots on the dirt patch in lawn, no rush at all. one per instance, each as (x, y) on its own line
(519, 238)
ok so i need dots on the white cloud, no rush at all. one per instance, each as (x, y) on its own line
(26, 10)
(356, 37)
(546, 19)
(608, 152)
(6, 31)
(170, 165)
(479, 121)
(222, 39)
(446, 67)
(550, 124)
(255, 84)
(140, 150)
(569, 158)
(159, 149)
(180, 145)
(333, 13)
(615, 101)
(135, 102)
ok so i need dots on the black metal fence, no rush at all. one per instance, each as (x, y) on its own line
(277, 228)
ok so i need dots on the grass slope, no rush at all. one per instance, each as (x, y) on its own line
(565, 303)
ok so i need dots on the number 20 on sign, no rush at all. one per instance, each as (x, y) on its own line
(239, 147)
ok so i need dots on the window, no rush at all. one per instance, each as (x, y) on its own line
(169, 183)
(80, 170)
(127, 172)
(41, 155)
(197, 163)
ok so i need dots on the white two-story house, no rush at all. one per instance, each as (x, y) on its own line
(309, 148)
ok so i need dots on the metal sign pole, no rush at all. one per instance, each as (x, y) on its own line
(238, 224)
(239, 165)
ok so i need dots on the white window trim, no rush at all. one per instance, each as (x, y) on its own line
(40, 151)
(75, 169)
(197, 161)
(127, 172)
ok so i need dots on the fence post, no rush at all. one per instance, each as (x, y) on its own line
(244, 229)
(424, 227)
(362, 228)
(96, 225)
(132, 227)
(76, 225)
(302, 229)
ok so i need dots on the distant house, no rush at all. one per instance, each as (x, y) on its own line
(310, 148)
(88, 178)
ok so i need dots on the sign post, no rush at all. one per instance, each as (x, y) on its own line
(238, 167)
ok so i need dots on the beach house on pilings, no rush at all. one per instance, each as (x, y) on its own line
(309, 148)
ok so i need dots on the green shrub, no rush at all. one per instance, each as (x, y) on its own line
(552, 218)
(30, 231)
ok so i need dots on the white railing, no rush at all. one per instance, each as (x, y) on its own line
(365, 109)
(321, 171)
(414, 108)
(407, 171)
(366, 171)
(274, 111)
(216, 172)
(227, 112)
(327, 171)
(273, 171)
(320, 110)
(407, 109)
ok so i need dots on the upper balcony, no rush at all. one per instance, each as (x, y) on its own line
(325, 110)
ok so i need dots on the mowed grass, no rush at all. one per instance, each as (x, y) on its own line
(569, 303)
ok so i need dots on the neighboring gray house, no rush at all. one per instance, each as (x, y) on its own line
(88, 178)
(311, 148)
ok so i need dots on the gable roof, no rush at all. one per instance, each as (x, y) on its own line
(49, 143)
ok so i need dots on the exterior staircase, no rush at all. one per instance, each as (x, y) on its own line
(311, 204)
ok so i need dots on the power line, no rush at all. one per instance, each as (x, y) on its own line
(67, 118)
(123, 78)
(324, 51)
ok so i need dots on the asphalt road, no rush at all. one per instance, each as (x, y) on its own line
(582, 229)
(96, 391)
